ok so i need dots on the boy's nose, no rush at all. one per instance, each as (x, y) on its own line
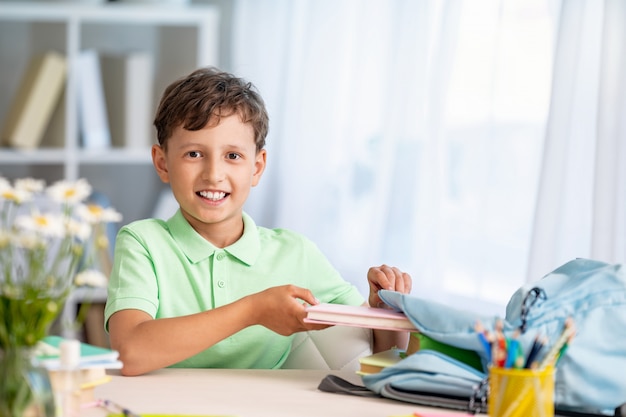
(213, 172)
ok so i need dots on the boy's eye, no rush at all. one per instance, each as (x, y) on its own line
(232, 155)
(194, 154)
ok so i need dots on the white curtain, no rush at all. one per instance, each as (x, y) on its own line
(581, 207)
(412, 133)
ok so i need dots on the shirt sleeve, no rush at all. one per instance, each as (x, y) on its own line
(132, 283)
(326, 283)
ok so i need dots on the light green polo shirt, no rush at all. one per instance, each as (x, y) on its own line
(167, 269)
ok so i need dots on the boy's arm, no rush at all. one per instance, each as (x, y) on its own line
(146, 344)
(388, 278)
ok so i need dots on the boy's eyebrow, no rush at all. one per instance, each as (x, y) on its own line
(228, 146)
(236, 147)
(189, 145)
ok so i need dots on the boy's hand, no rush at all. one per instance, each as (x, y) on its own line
(386, 278)
(281, 309)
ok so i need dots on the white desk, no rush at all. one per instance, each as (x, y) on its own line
(244, 393)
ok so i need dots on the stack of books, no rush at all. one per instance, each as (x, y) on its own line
(92, 369)
(376, 362)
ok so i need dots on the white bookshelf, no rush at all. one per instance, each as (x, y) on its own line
(179, 38)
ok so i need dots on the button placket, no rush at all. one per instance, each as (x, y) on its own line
(219, 268)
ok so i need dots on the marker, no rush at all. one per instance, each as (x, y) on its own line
(538, 344)
(513, 351)
(499, 345)
(564, 348)
(484, 338)
(551, 356)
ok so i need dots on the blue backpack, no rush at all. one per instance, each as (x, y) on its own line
(590, 376)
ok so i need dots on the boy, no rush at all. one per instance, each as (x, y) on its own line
(208, 288)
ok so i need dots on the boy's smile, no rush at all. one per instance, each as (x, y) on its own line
(211, 172)
(215, 196)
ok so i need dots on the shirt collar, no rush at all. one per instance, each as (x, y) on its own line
(197, 248)
(248, 248)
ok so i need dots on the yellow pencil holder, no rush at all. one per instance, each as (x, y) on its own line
(521, 392)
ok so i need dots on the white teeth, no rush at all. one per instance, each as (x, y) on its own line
(212, 196)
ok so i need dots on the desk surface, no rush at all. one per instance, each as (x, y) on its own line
(244, 393)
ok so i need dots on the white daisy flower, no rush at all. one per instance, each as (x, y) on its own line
(78, 230)
(91, 278)
(69, 192)
(49, 225)
(4, 183)
(46, 245)
(31, 185)
(23, 190)
(94, 213)
(28, 240)
(18, 196)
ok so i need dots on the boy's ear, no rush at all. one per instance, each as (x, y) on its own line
(158, 160)
(259, 166)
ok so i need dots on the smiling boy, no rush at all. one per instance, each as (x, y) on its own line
(208, 287)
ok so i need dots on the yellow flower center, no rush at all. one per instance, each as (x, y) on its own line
(94, 209)
(9, 195)
(41, 221)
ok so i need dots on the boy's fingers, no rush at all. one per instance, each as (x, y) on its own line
(305, 295)
(399, 283)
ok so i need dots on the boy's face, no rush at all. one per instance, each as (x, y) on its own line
(211, 172)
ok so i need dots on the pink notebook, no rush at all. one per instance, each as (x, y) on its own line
(358, 316)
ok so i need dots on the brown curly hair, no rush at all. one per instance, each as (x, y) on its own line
(206, 95)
